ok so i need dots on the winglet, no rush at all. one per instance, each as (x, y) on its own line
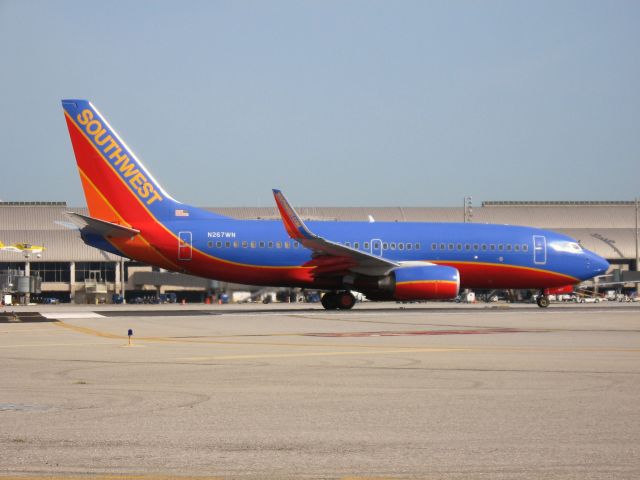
(292, 222)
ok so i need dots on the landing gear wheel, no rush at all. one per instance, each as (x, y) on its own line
(330, 301)
(543, 301)
(338, 301)
(346, 301)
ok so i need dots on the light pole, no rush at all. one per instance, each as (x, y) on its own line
(468, 209)
(637, 250)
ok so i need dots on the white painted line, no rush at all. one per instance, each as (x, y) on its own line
(71, 315)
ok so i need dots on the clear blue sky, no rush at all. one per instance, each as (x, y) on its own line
(336, 102)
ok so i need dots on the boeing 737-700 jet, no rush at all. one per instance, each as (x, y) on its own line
(131, 215)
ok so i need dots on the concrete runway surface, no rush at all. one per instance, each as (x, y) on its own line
(382, 391)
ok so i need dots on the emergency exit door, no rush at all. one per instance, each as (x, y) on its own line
(376, 247)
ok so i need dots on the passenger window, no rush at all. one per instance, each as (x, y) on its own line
(235, 244)
(348, 244)
(270, 244)
(500, 247)
(261, 244)
(401, 246)
(227, 244)
(244, 244)
(467, 246)
(451, 246)
(356, 245)
(253, 244)
(219, 244)
(417, 246)
(295, 244)
(476, 247)
(516, 247)
(459, 246)
(366, 245)
(443, 246)
(392, 245)
(409, 246)
(525, 248)
(376, 245)
(434, 246)
(385, 246)
(484, 247)
(278, 244)
(210, 244)
(287, 244)
(492, 247)
(508, 247)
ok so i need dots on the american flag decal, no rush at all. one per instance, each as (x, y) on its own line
(181, 213)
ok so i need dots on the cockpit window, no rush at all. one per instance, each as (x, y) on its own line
(569, 247)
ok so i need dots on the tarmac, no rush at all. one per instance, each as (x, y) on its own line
(433, 391)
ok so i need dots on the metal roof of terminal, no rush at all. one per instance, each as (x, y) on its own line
(596, 216)
(557, 203)
(49, 226)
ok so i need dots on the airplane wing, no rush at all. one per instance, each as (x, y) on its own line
(330, 257)
(101, 227)
(9, 248)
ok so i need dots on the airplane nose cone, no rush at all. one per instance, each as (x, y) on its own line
(598, 265)
(603, 266)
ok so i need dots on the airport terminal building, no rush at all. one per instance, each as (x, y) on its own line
(69, 270)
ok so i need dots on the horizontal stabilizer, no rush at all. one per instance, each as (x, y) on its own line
(100, 227)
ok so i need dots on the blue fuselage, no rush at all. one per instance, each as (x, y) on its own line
(486, 255)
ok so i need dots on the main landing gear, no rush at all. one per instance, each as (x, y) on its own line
(338, 300)
(542, 300)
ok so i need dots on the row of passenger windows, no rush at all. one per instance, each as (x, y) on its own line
(253, 244)
(385, 245)
(356, 245)
(477, 247)
(376, 246)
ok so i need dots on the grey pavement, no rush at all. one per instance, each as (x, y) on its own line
(383, 391)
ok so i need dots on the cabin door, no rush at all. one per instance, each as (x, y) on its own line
(184, 246)
(539, 249)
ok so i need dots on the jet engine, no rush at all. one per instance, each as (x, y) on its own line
(429, 282)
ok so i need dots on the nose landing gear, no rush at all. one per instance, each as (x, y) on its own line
(542, 300)
(338, 300)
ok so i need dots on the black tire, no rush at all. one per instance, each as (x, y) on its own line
(329, 301)
(543, 301)
(345, 300)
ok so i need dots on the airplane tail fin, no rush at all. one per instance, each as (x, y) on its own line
(117, 186)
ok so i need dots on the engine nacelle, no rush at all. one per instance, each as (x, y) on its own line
(431, 282)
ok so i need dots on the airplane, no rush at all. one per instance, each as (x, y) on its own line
(25, 248)
(131, 215)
